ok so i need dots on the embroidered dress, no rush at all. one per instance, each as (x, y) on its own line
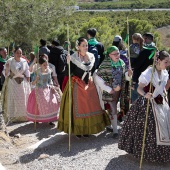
(157, 141)
(87, 116)
(16, 90)
(43, 104)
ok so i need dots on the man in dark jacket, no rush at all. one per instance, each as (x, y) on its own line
(43, 48)
(57, 57)
(91, 34)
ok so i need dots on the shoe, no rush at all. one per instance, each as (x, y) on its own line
(51, 123)
(85, 136)
(115, 136)
(78, 136)
(109, 129)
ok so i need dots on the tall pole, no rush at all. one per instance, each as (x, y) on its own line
(147, 112)
(130, 82)
(70, 96)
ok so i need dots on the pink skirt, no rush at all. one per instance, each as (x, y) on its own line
(43, 105)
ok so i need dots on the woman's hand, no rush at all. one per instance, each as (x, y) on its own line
(112, 91)
(130, 72)
(117, 88)
(148, 95)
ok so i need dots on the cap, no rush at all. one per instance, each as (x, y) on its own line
(117, 38)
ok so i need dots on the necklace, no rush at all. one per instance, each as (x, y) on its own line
(82, 57)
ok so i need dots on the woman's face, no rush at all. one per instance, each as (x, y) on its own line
(18, 53)
(115, 56)
(83, 47)
(44, 65)
(164, 63)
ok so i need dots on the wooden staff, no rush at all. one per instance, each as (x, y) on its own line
(130, 82)
(70, 99)
(8, 50)
(36, 96)
(147, 112)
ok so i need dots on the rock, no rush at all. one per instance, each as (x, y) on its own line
(43, 156)
(18, 135)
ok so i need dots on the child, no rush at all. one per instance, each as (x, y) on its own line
(44, 100)
(109, 80)
(135, 47)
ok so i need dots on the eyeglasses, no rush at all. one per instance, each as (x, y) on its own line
(116, 54)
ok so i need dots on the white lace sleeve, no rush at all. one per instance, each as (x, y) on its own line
(145, 76)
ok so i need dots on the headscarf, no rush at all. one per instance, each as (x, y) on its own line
(110, 50)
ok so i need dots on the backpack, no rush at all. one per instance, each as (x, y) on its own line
(93, 49)
(63, 62)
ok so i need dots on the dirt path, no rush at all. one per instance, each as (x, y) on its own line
(47, 149)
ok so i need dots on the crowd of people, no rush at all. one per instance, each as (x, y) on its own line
(39, 90)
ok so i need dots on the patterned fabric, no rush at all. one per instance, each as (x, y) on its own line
(15, 96)
(131, 136)
(44, 78)
(87, 116)
(95, 120)
(111, 75)
(81, 91)
(43, 104)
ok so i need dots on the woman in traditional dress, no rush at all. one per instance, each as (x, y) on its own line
(17, 87)
(87, 116)
(110, 77)
(44, 100)
(157, 143)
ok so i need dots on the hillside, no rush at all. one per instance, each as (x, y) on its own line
(165, 35)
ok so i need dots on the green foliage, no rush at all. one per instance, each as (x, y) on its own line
(26, 21)
(140, 26)
(114, 4)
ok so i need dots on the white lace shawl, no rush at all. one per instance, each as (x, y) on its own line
(77, 61)
(13, 67)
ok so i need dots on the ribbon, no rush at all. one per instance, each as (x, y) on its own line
(153, 52)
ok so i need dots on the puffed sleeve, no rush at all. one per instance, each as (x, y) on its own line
(145, 76)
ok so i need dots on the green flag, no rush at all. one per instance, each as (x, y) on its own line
(126, 38)
(36, 50)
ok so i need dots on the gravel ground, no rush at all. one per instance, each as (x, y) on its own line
(47, 149)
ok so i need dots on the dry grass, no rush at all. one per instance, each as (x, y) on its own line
(165, 35)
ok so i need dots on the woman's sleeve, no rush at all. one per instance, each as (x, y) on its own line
(101, 83)
(145, 76)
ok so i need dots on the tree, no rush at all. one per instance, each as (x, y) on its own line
(26, 21)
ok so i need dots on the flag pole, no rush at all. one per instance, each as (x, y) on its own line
(130, 82)
(70, 99)
(36, 51)
(147, 112)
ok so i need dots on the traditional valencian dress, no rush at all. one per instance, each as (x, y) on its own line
(87, 116)
(157, 144)
(15, 97)
(44, 101)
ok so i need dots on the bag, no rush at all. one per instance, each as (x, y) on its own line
(63, 61)
(93, 49)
